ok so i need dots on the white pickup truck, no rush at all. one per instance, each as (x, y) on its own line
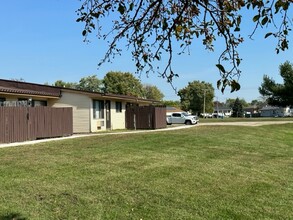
(181, 118)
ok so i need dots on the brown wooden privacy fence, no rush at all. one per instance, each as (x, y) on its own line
(30, 123)
(145, 117)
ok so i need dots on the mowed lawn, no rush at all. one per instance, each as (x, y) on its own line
(203, 172)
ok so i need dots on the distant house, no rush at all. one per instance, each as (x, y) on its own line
(222, 111)
(273, 111)
(92, 111)
(251, 111)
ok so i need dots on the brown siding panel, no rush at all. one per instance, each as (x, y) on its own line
(30, 123)
(145, 117)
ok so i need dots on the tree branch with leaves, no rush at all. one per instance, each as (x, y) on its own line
(152, 27)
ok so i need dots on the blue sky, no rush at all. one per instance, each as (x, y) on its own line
(41, 42)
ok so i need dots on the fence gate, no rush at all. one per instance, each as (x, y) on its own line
(145, 117)
(30, 123)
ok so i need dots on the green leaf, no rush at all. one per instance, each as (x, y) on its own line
(165, 24)
(121, 9)
(284, 45)
(96, 14)
(158, 57)
(221, 68)
(255, 18)
(219, 83)
(278, 5)
(178, 28)
(108, 6)
(235, 86)
(84, 32)
(223, 89)
(264, 20)
(285, 32)
(131, 6)
(268, 34)
(238, 20)
(238, 61)
(285, 5)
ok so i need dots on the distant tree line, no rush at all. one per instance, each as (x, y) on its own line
(123, 83)
(279, 94)
(197, 97)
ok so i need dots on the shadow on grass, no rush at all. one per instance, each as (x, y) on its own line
(12, 216)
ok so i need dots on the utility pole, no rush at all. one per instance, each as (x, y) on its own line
(204, 103)
(217, 108)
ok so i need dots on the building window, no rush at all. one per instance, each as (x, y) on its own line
(39, 103)
(118, 106)
(98, 107)
(2, 100)
(23, 102)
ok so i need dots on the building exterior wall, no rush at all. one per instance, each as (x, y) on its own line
(29, 94)
(16, 97)
(96, 124)
(287, 112)
(266, 113)
(276, 112)
(9, 97)
(81, 105)
(118, 117)
(13, 100)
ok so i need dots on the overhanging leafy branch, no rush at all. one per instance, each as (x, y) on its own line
(152, 27)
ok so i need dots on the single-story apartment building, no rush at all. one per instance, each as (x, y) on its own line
(274, 111)
(92, 111)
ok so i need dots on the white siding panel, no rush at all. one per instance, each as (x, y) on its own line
(117, 118)
(97, 124)
(81, 105)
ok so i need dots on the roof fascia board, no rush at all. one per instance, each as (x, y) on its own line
(28, 95)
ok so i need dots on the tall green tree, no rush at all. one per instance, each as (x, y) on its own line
(122, 83)
(230, 102)
(197, 96)
(258, 103)
(172, 103)
(60, 83)
(152, 92)
(279, 94)
(90, 83)
(237, 109)
(152, 28)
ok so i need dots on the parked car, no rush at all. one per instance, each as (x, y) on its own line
(181, 118)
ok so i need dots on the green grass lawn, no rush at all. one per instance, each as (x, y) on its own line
(231, 119)
(206, 172)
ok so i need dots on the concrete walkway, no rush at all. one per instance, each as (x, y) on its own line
(256, 123)
(92, 134)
